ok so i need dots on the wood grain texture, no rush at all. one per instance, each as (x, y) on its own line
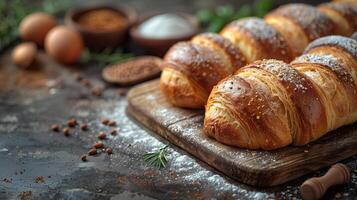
(183, 128)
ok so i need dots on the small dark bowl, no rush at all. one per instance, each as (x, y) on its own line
(101, 39)
(159, 47)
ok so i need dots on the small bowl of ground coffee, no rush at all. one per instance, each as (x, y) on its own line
(102, 26)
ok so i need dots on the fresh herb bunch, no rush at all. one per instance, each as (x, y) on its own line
(215, 20)
(157, 158)
(107, 56)
(12, 12)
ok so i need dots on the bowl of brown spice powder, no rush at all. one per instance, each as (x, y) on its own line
(102, 26)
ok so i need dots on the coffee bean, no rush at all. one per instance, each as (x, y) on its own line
(113, 132)
(84, 127)
(101, 136)
(105, 121)
(92, 152)
(66, 132)
(55, 127)
(84, 158)
(109, 150)
(98, 145)
(112, 123)
(72, 122)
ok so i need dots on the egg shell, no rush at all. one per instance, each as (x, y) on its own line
(35, 27)
(24, 54)
(64, 44)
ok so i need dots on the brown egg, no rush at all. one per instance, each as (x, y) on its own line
(64, 44)
(35, 27)
(24, 54)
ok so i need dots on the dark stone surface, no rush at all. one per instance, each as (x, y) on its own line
(31, 101)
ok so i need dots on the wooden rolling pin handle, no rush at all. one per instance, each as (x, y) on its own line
(316, 187)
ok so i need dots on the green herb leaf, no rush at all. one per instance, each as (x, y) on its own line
(225, 11)
(215, 20)
(205, 16)
(244, 11)
(156, 158)
(107, 56)
(261, 7)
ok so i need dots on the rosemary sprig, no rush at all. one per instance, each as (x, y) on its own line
(156, 158)
(107, 56)
(215, 20)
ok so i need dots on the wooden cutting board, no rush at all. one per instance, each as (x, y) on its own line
(183, 127)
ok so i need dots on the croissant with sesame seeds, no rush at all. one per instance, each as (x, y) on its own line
(192, 68)
(270, 104)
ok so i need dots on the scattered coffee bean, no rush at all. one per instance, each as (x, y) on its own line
(112, 123)
(39, 179)
(72, 122)
(338, 195)
(66, 132)
(97, 91)
(98, 145)
(84, 127)
(78, 77)
(55, 127)
(86, 82)
(109, 150)
(113, 132)
(101, 136)
(121, 92)
(105, 121)
(92, 152)
(84, 158)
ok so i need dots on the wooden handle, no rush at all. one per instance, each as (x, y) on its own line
(315, 188)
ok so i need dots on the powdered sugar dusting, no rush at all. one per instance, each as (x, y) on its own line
(331, 63)
(348, 44)
(312, 21)
(264, 34)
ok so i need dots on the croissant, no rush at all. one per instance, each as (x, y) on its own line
(343, 16)
(192, 68)
(270, 104)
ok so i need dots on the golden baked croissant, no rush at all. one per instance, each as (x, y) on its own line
(343, 16)
(270, 104)
(192, 68)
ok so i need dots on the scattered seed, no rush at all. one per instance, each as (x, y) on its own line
(55, 127)
(98, 145)
(306, 151)
(113, 132)
(355, 170)
(66, 132)
(121, 92)
(112, 123)
(338, 195)
(109, 150)
(97, 91)
(92, 152)
(78, 77)
(86, 82)
(101, 136)
(84, 158)
(84, 127)
(105, 121)
(72, 122)
(40, 179)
